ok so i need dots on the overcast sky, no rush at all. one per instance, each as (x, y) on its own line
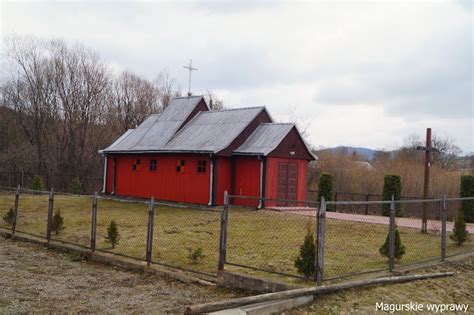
(357, 73)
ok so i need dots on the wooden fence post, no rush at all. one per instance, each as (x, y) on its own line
(321, 227)
(444, 214)
(50, 214)
(94, 222)
(149, 243)
(15, 211)
(223, 236)
(367, 205)
(391, 241)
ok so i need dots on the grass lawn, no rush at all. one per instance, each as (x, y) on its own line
(262, 239)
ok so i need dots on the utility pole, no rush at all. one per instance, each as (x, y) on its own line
(428, 149)
(191, 69)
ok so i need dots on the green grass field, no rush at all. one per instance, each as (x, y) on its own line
(262, 239)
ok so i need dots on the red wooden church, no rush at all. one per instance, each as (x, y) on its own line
(191, 154)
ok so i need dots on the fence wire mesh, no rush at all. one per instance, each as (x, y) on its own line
(451, 247)
(7, 203)
(419, 247)
(75, 211)
(268, 240)
(352, 244)
(187, 237)
(32, 213)
(265, 241)
(131, 221)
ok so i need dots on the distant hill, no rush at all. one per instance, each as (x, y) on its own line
(365, 153)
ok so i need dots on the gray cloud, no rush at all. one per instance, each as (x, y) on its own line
(412, 60)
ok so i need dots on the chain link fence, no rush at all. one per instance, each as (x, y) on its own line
(75, 211)
(7, 205)
(265, 241)
(130, 220)
(186, 237)
(268, 240)
(32, 214)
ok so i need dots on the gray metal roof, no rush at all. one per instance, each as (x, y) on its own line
(157, 129)
(265, 139)
(212, 131)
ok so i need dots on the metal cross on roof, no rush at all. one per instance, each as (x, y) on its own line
(191, 69)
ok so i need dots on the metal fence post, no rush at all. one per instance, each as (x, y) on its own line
(391, 241)
(321, 227)
(94, 222)
(444, 213)
(50, 214)
(149, 242)
(335, 199)
(223, 236)
(15, 211)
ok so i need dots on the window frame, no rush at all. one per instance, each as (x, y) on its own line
(153, 165)
(201, 167)
(136, 165)
(180, 166)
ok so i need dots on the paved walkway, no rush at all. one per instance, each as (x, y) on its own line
(374, 219)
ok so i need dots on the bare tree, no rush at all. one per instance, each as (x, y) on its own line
(58, 92)
(167, 88)
(446, 153)
(213, 101)
(68, 105)
(28, 91)
(133, 100)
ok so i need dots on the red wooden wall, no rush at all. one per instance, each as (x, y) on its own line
(192, 187)
(223, 179)
(247, 180)
(271, 186)
(109, 178)
(165, 183)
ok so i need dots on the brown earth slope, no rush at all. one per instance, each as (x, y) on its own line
(34, 279)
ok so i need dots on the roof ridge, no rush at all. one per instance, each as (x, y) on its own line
(231, 109)
(190, 96)
(278, 123)
(272, 148)
(183, 128)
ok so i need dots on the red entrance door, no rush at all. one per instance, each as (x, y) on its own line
(287, 182)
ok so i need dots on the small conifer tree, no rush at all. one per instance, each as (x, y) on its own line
(325, 188)
(304, 263)
(399, 247)
(37, 183)
(57, 225)
(392, 185)
(467, 190)
(8, 217)
(113, 235)
(76, 186)
(460, 234)
(195, 256)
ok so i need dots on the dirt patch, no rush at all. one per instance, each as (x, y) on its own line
(35, 279)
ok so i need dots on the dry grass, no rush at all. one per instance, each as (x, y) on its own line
(263, 239)
(457, 290)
